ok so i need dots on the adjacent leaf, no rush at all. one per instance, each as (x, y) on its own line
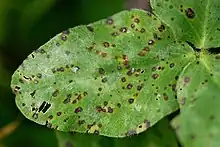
(115, 77)
(198, 94)
(196, 21)
(159, 135)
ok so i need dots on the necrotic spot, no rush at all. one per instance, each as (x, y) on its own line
(109, 21)
(90, 28)
(172, 65)
(155, 76)
(35, 115)
(67, 100)
(55, 93)
(150, 42)
(104, 80)
(131, 100)
(190, 13)
(80, 122)
(106, 44)
(129, 86)
(75, 69)
(78, 109)
(105, 103)
(123, 29)
(96, 132)
(101, 71)
(39, 75)
(33, 93)
(59, 113)
(186, 79)
(46, 107)
(42, 106)
(110, 110)
(123, 79)
(131, 133)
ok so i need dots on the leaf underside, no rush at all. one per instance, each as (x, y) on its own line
(115, 77)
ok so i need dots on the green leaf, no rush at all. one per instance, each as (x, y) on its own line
(196, 21)
(156, 136)
(198, 94)
(115, 77)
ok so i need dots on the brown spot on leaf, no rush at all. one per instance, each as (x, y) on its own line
(131, 101)
(106, 44)
(55, 93)
(190, 13)
(136, 20)
(90, 28)
(59, 113)
(109, 21)
(186, 80)
(80, 122)
(129, 86)
(78, 109)
(150, 42)
(161, 28)
(155, 76)
(123, 29)
(101, 71)
(110, 110)
(217, 57)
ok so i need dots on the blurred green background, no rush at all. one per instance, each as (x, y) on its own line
(24, 26)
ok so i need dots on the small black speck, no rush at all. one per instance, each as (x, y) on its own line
(172, 65)
(59, 113)
(123, 79)
(105, 103)
(101, 71)
(123, 29)
(131, 100)
(129, 86)
(90, 28)
(110, 110)
(104, 80)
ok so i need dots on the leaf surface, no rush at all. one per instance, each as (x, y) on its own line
(156, 136)
(196, 21)
(198, 91)
(115, 77)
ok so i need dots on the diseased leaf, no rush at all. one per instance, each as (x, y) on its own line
(157, 136)
(196, 21)
(115, 77)
(198, 94)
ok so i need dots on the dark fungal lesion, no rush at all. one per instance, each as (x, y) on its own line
(109, 21)
(131, 100)
(55, 93)
(64, 35)
(123, 29)
(90, 28)
(78, 109)
(190, 13)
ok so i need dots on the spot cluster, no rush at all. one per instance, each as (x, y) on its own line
(69, 67)
(104, 108)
